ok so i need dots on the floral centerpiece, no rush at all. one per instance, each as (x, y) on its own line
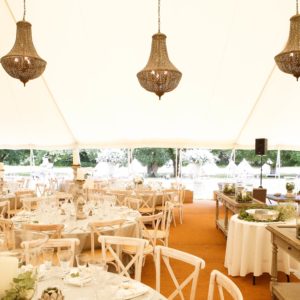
(290, 186)
(244, 196)
(138, 180)
(229, 188)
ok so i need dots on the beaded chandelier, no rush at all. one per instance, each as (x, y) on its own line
(160, 75)
(23, 62)
(288, 60)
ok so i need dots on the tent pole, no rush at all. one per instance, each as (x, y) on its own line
(176, 164)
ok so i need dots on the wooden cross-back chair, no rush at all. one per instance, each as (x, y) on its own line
(17, 203)
(107, 243)
(97, 228)
(147, 206)
(4, 209)
(53, 230)
(220, 281)
(63, 243)
(164, 254)
(7, 228)
(132, 203)
(148, 234)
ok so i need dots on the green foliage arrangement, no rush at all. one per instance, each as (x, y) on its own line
(286, 211)
(22, 287)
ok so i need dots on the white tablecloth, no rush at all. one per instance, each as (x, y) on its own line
(80, 228)
(249, 250)
(92, 291)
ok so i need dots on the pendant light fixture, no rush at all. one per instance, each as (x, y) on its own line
(23, 62)
(160, 75)
(288, 60)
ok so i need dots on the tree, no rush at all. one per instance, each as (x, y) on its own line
(152, 158)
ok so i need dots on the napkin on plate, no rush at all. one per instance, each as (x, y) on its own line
(131, 290)
(80, 280)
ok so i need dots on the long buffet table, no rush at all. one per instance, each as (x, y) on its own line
(230, 205)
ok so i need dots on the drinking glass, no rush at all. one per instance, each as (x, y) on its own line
(82, 261)
(47, 257)
(65, 259)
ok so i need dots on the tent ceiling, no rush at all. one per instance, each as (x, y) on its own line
(89, 95)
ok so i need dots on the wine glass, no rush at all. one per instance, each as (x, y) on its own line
(82, 261)
(47, 257)
(65, 258)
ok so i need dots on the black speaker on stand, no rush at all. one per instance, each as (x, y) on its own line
(261, 147)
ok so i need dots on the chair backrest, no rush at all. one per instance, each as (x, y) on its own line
(221, 281)
(120, 196)
(95, 194)
(4, 209)
(133, 203)
(165, 254)
(53, 230)
(166, 220)
(155, 220)
(148, 199)
(29, 203)
(97, 227)
(65, 243)
(22, 194)
(40, 189)
(53, 184)
(7, 227)
(107, 243)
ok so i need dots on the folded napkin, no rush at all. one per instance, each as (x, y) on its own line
(78, 278)
(131, 289)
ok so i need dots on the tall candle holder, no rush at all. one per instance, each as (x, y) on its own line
(79, 200)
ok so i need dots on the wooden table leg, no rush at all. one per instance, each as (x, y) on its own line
(226, 219)
(217, 210)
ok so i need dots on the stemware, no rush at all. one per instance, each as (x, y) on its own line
(47, 257)
(65, 259)
(82, 261)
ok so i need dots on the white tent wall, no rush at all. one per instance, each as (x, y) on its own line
(89, 95)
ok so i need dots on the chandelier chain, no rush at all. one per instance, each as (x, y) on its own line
(158, 13)
(24, 14)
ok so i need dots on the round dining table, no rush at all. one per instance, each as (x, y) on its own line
(105, 285)
(80, 228)
(249, 249)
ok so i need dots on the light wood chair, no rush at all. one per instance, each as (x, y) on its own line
(147, 206)
(178, 203)
(4, 209)
(132, 203)
(97, 228)
(30, 203)
(164, 254)
(17, 203)
(53, 230)
(150, 236)
(170, 195)
(63, 243)
(221, 281)
(41, 189)
(7, 228)
(119, 195)
(107, 243)
(163, 232)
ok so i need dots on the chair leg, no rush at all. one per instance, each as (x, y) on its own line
(173, 216)
(180, 214)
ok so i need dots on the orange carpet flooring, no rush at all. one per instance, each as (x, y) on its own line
(198, 235)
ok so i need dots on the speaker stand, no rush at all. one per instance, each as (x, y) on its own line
(261, 172)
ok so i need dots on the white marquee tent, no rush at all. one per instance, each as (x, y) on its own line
(231, 91)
